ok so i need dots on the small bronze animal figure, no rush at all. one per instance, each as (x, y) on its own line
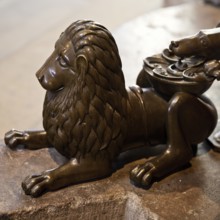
(205, 43)
(90, 117)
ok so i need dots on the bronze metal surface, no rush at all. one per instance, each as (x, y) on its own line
(90, 118)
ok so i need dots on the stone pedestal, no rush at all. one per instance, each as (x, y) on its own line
(192, 193)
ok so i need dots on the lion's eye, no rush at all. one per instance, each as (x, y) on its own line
(62, 61)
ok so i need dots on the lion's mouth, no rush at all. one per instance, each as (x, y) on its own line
(49, 82)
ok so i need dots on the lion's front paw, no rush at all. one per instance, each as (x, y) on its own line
(36, 185)
(142, 175)
(13, 138)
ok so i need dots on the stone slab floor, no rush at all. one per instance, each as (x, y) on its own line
(191, 194)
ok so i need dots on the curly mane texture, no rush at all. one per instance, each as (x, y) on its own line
(88, 117)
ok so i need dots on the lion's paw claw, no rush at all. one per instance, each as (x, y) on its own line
(142, 175)
(13, 138)
(37, 184)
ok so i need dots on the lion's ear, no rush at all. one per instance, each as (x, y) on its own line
(81, 64)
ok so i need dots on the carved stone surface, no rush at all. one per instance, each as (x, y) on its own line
(192, 193)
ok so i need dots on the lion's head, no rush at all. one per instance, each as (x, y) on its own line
(83, 46)
(85, 105)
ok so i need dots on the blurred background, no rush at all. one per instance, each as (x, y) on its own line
(29, 29)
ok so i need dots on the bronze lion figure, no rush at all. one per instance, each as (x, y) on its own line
(90, 117)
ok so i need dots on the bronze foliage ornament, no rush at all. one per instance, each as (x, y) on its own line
(90, 118)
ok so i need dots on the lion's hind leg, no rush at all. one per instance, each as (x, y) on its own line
(190, 120)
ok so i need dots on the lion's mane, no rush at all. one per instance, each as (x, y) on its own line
(90, 115)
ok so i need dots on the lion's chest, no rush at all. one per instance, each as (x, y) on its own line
(59, 125)
(57, 136)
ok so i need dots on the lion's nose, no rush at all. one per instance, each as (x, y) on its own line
(40, 75)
